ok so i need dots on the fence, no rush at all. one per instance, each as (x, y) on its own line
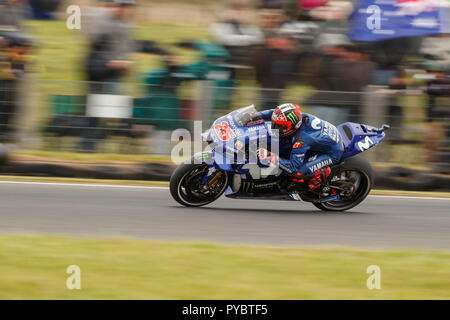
(138, 119)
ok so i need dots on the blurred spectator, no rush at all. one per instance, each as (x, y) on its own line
(166, 110)
(108, 28)
(343, 74)
(388, 55)
(11, 14)
(329, 11)
(44, 9)
(436, 51)
(162, 106)
(101, 70)
(270, 20)
(310, 4)
(235, 34)
(15, 48)
(218, 77)
(274, 65)
(388, 80)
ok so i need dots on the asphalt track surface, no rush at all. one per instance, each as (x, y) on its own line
(150, 212)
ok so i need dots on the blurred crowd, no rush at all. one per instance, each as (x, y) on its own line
(15, 48)
(271, 45)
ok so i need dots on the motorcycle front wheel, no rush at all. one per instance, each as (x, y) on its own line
(186, 187)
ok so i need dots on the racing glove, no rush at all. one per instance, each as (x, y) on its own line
(266, 157)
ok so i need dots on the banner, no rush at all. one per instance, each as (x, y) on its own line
(376, 20)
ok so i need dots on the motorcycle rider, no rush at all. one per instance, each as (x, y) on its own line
(307, 145)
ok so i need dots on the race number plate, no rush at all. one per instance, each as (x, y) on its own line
(223, 131)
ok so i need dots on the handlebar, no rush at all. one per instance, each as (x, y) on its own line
(384, 127)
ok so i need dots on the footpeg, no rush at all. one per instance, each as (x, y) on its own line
(295, 196)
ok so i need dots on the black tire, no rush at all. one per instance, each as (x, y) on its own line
(363, 167)
(176, 181)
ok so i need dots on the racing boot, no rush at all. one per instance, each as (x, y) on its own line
(319, 177)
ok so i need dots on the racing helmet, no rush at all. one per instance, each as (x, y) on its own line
(286, 119)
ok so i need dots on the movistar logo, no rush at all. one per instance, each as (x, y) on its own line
(366, 144)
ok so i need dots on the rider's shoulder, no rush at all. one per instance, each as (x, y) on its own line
(303, 135)
(310, 121)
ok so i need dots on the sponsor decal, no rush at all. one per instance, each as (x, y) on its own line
(414, 7)
(286, 107)
(284, 167)
(203, 156)
(247, 186)
(234, 127)
(252, 123)
(366, 144)
(328, 199)
(315, 124)
(320, 165)
(330, 131)
(298, 144)
(300, 157)
(211, 171)
(223, 131)
(292, 117)
(265, 186)
(262, 127)
(238, 145)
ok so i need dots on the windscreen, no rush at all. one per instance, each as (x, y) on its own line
(248, 116)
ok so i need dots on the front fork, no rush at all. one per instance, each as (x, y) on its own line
(213, 174)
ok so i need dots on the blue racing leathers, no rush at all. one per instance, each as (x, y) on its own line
(316, 144)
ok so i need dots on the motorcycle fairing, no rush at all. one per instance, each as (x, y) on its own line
(359, 137)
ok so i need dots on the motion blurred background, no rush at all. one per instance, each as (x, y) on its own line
(101, 101)
(134, 71)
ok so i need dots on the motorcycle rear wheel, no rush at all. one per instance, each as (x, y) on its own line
(356, 168)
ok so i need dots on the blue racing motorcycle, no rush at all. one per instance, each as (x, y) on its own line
(229, 165)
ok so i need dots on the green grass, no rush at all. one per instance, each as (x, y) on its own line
(33, 267)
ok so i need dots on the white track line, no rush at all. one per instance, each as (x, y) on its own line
(94, 185)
